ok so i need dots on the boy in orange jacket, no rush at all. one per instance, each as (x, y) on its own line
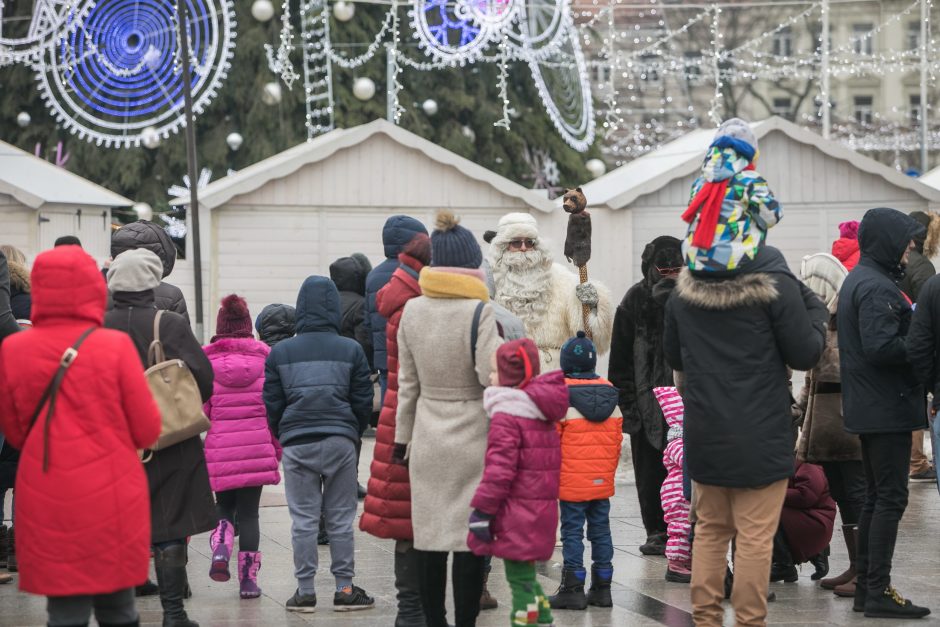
(591, 437)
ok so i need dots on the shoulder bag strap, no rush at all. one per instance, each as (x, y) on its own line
(52, 391)
(475, 331)
(155, 354)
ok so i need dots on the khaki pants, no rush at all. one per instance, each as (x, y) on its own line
(751, 515)
(919, 461)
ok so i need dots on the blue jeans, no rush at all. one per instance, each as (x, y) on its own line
(573, 517)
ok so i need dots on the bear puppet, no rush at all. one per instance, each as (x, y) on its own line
(578, 240)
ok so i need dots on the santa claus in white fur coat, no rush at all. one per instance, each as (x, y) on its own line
(546, 296)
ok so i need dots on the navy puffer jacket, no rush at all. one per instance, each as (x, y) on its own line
(317, 383)
(398, 231)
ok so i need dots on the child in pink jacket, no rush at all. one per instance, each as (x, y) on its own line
(675, 507)
(515, 508)
(241, 453)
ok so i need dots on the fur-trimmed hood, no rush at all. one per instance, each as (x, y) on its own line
(746, 290)
(19, 277)
(928, 243)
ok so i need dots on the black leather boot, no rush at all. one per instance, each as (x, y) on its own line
(407, 583)
(570, 594)
(599, 593)
(170, 564)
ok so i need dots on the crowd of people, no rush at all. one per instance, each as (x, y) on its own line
(493, 426)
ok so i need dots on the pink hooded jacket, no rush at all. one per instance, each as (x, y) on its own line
(523, 467)
(240, 450)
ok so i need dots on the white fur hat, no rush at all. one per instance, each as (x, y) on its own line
(513, 225)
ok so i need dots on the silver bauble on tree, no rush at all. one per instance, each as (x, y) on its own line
(363, 88)
(429, 106)
(596, 167)
(262, 10)
(23, 119)
(234, 141)
(150, 138)
(271, 94)
(344, 11)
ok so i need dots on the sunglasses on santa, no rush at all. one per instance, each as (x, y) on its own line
(669, 272)
(522, 244)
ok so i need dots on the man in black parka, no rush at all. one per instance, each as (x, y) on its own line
(637, 365)
(732, 337)
(881, 399)
(145, 234)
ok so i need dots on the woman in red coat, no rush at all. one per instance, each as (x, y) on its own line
(387, 508)
(805, 523)
(82, 502)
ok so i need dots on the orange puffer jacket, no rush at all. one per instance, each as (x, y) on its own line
(591, 437)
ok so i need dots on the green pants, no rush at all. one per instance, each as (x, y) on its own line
(529, 605)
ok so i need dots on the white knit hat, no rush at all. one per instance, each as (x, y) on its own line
(513, 225)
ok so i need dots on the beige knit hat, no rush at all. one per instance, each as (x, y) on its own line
(135, 270)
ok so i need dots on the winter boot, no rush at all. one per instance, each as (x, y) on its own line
(147, 589)
(850, 535)
(221, 541)
(786, 573)
(678, 572)
(4, 545)
(249, 563)
(407, 572)
(599, 593)
(890, 604)
(821, 563)
(135, 623)
(847, 590)
(170, 564)
(487, 602)
(570, 594)
(655, 545)
(12, 564)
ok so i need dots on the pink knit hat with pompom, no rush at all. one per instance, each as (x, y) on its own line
(849, 230)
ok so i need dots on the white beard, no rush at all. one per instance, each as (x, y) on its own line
(524, 284)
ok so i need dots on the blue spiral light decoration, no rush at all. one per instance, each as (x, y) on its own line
(120, 71)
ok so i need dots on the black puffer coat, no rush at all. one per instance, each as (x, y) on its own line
(880, 393)
(637, 361)
(275, 323)
(733, 340)
(349, 274)
(144, 234)
(181, 501)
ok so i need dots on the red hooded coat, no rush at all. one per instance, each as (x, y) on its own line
(808, 512)
(387, 508)
(847, 251)
(83, 525)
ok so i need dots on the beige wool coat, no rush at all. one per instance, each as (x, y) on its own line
(440, 413)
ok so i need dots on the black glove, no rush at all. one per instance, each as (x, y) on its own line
(399, 451)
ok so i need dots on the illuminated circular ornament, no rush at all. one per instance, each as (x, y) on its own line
(120, 71)
(449, 32)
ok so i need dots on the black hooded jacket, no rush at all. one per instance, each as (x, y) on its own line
(349, 274)
(275, 323)
(880, 393)
(637, 361)
(145, 234)
(733, 340)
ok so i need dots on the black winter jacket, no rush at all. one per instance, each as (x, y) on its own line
(637, 361)
(317, 384)
(144, 234)
(918, 272)
(397, 232)
(275, 323)
(349, 276)
(181, 501)
(880, 393)
(923, 341)
(733, 340)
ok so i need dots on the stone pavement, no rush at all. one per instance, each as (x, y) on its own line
(641, 596)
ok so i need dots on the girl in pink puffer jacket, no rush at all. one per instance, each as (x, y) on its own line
(241, 453)
(515, 508)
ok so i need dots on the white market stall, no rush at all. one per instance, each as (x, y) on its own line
(39, 202)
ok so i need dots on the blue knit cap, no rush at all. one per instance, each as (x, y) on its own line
(452, 245)
(578, 355)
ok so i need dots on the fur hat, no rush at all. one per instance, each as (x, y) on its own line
(738, 129)
(849, 230)
(452, 245)
(517, 362)
(931, 238)
(578, 355)
(233, 319)
(135, 270)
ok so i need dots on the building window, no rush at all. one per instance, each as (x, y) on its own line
(863, 109)
(602, 74)
(862, 38)
(912, 39)
(783, 42)
(782, 107)
(915, 109)
(693, 65)
(649, 68)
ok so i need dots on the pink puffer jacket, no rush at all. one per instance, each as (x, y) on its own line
(523, 468)
(240, 449)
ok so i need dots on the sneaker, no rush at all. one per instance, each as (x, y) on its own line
(890, 604)
(306, 603)
(928, 475)
(352, 598)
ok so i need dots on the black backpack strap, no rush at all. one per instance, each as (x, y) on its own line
(475, 331)
(52, 391)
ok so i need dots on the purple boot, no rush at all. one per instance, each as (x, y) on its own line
(249, 563)
(220, 542)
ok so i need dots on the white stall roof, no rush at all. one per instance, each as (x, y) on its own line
(931, 179)
(35, 182)
(320, 148)
(682, 157)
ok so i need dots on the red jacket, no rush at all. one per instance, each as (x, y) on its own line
(847, 251)
(83, 525)
(808, 512)
(387, 508)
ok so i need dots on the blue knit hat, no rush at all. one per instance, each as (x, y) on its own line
(578, 355)
(452, 245)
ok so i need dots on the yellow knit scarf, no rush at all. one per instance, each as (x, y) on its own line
(446, 283)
